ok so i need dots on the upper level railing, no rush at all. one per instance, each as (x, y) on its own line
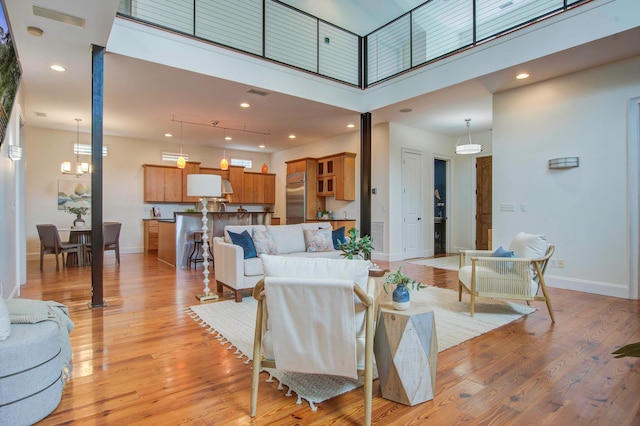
(265, 28)
(275, 31)
(440, 28)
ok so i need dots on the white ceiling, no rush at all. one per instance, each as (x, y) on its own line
(141, 97)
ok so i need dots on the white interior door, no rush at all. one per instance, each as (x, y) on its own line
(412, 203)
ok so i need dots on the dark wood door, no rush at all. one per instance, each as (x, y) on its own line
(483, 202)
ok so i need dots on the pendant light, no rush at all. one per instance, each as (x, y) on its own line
(80, 168)
(181, 163)
(224, 163)
(265, 168)
(468, 147)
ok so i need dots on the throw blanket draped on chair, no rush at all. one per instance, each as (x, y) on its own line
(293, 311)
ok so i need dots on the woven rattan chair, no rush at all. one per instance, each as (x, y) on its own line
(50, 243)
(298, 276)
(518, 278)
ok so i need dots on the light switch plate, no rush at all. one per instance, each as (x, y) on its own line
(507, 207)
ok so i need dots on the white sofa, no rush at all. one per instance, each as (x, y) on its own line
(235, 272)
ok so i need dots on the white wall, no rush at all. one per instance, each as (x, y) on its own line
(380, 180)
(462, 229)
(349, 142)
(123, 180)
(12, 177)
(431, 146)
(584, 210)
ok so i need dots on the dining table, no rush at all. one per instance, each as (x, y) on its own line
(77, 235)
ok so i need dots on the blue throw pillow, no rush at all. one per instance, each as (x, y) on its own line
(504, 253)
(500, 252)
(338, 237)
(244, 240)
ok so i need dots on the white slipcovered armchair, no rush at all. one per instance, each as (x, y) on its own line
(483, 274)
(315, 316)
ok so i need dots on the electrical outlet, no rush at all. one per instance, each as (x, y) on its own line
(553, 263)
(560, 263)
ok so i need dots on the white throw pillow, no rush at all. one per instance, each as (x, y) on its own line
(263, 242)
(529, 246)
(5, 323)
(318, 240)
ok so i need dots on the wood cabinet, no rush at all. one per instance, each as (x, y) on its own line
(326, 178)
(269, 188)
(167, 242)
(190, 168)
(252, 193)
(236, 179)
(345, 176)
(298, 166)
(337, 176)
(259, 188)
(168, 184)
(224, 174)
(309, 166)
(162, 184)
(150, 235)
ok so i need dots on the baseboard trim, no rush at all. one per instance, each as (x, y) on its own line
(588, 286)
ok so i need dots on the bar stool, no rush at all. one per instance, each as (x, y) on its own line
(196, 253)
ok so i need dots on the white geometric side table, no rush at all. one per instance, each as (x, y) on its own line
(406, 352)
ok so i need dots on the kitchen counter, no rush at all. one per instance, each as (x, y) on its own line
(180, 244)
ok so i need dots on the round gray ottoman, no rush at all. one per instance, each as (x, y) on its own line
(30, 373)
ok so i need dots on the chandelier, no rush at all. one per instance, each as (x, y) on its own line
(80, 168)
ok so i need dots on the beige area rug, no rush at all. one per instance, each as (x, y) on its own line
(448, 262)
(233, 325)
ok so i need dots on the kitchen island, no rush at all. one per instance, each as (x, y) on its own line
(175, 237)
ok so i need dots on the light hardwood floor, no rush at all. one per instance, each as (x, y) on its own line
(143, 360)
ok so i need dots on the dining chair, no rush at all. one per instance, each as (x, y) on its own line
(110, 239)
(50, 243)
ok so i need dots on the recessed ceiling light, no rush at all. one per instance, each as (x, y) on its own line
(168, 135)
(227, 138)
(245, 105)
(406, 110)
(58, 68)
(35, 31)
(261, 146)
(522, 76)
(351, 125)
(292, 136)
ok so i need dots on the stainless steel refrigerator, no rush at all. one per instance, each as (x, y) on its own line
(296, 198)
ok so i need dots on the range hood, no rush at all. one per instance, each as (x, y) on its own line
(226, 187)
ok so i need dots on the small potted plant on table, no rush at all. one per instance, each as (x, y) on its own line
(78, 211)
(404, 284)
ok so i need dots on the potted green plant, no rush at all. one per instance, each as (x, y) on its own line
(404, 284)
(78, 211)
(356, 246)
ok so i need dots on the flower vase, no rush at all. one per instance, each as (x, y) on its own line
(401, 298)
(79, 222)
